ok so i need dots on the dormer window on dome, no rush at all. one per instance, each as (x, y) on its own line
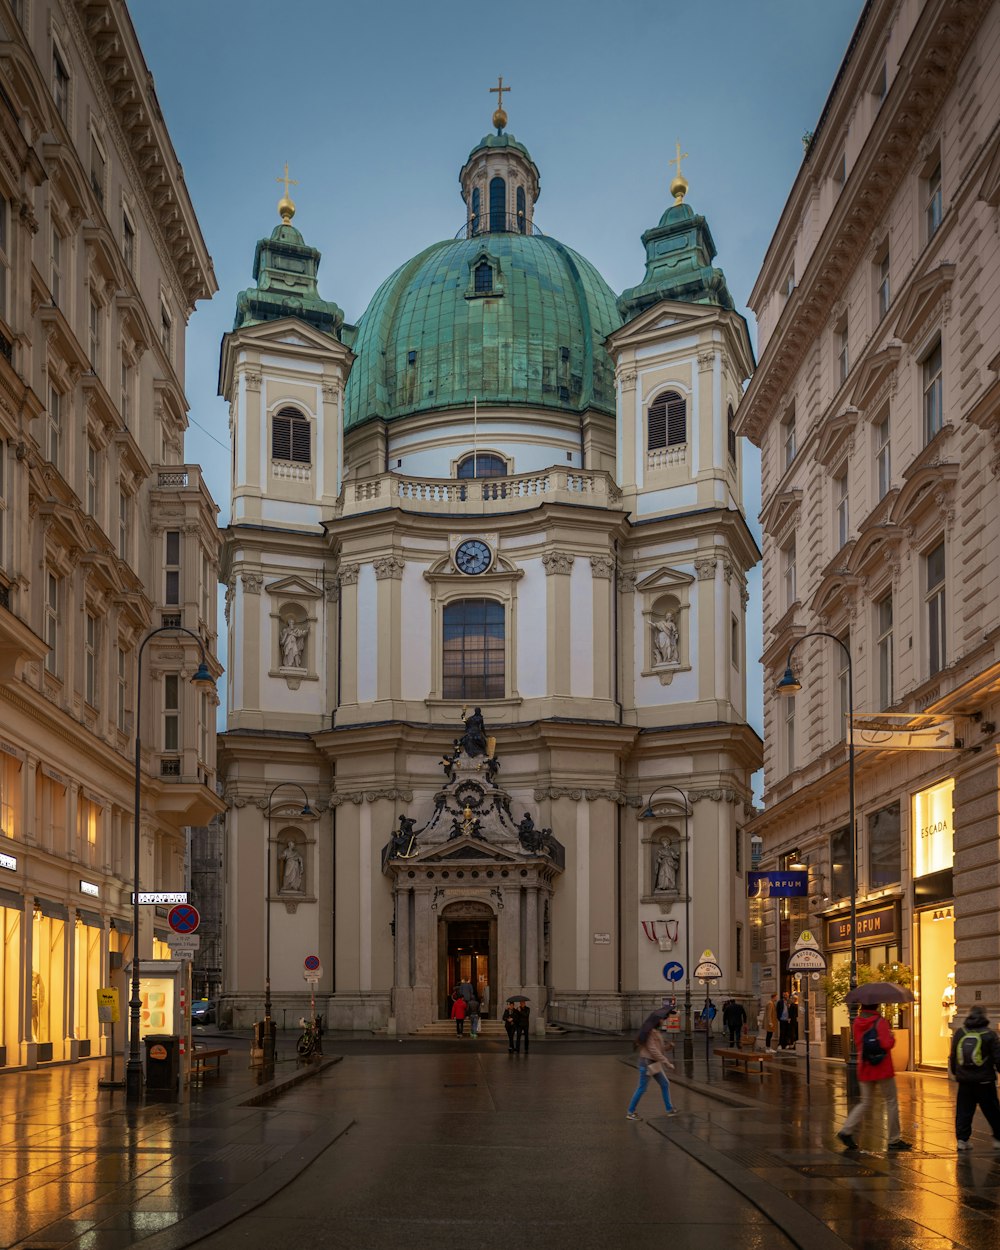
(485, 277)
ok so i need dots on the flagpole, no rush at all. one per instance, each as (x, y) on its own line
(475, 436)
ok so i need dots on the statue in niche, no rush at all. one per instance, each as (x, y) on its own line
(473, 741)
(293, 643)
(665, 641)
(668, 861)
(292, 869)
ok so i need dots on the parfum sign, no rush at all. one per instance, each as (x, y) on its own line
(933, 829)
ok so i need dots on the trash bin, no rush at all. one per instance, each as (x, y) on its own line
(163, 1064)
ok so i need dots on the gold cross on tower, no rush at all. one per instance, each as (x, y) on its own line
(679, 185)
(285, 206)
(499, 115)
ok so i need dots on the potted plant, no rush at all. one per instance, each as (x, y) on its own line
(837, 983)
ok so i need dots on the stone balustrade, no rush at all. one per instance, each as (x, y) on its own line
(478, 495)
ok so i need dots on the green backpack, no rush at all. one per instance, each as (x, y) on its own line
(970, 1048)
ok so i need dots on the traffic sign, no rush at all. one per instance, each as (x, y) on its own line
(184, 918)
(708, 967)
(311, 963)
(806, 959)
(673, 971)
(184, 941)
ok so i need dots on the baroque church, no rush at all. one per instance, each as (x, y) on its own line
(486, 594)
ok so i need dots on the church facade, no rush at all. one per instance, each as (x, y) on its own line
(486, 593)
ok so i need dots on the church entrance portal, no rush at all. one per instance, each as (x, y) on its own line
(467, 942)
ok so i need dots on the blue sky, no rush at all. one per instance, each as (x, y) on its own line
(376, 106)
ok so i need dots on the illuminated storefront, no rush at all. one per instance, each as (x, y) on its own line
(11, 911)
(877, 943)
(87, 981)
(48, 980)
(934, 922)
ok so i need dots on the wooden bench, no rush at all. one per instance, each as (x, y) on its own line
(746, 1057)
(199, 1057)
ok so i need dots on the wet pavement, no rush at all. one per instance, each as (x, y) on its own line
(456, 1143)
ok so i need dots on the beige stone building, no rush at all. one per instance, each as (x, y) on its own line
(105, 534)
(876, 406)
(504, 488)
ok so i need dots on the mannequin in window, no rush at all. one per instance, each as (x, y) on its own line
(665, 640)
(293, 643)
(948, 1005)
(292, 869)
(37, 1003)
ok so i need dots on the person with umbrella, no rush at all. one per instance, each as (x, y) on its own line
(653, 1058)
(509, 1019)
(873, 1043)
(522, 1016)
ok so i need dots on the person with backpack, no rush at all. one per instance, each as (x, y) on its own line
(873, 1041)
(974, 1060)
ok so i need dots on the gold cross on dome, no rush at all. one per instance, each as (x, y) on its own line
(289, 182)
(681, 156)
(499, 89)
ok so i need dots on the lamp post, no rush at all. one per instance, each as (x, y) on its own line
(268, 1038)
(204, 680)
(790, 686)
(649, 814)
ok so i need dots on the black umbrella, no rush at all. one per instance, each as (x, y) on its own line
(876, 992)
(653, 1021)
(518, 998)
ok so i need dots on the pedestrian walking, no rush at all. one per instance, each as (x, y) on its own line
(653, 1059)
(734, 1017)
(873, 1041)
(474, 1018)
(784, 1023)
(459, 1009)
(466, 990)
(708, 1014)
(974, 1060)
(770, 1022)
(522, 1017)
(509, 1017)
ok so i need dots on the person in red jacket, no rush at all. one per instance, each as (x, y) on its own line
(875, 1071)
(459, 1008)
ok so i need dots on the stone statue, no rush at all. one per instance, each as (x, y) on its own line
(668, 861)
(293, 643)
(532, 839)
(473, 741)
(403, 838)
(665, 641)
(292, 870)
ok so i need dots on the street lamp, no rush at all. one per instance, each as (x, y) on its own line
(788, 687)
(268, 1039)
(649, 814)
(203, 679)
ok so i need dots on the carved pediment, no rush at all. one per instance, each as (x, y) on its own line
(838, 585)
(921, 299)
(665, 578)
(930, 487)
(464, 848)
(834, 435)
(293, 587)
(875, 374)
(780, 514)
(985, 412)
(880, 543)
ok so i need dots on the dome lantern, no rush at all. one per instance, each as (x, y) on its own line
(499, 181)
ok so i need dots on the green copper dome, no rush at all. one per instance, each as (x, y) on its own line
(510, 319)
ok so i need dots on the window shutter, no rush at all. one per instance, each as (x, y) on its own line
(300, 442)
(281, 438)
(676, 419)
(658, 425)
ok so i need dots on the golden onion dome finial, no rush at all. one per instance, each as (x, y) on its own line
(499, 113)
(679, 184)
(286, 206)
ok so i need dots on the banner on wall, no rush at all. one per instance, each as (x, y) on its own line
(794, 883)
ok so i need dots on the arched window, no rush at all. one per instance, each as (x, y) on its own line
(482, 464)
(473, 650)
(484, 278)
(290, 437)
(498, 205)
(667, 421)
(475, 210)
(522, 220)
(731, 432)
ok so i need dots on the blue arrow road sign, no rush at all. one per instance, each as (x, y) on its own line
(673, 971)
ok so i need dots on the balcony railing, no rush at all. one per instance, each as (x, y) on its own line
(496, 223)
(479, 495)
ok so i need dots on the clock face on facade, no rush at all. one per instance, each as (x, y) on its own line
(473, 557)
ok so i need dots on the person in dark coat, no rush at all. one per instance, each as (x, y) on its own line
(734, 1017)
(784, 1022)
(522, 1015)
(509, 1018)
(974, 1060)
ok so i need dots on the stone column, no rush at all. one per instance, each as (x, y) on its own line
(531, 961)
(977, 879)
(403, 938)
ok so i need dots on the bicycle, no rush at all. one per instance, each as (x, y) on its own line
(308, 1044)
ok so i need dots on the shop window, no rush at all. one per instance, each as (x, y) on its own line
(474, 650)
(48, 988)
(840, 863)
(87, 966)
(667, 421)
(884, 847)
(10, 979)
(938, 1007)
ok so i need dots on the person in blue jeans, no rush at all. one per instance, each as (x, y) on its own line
(653, 1059)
